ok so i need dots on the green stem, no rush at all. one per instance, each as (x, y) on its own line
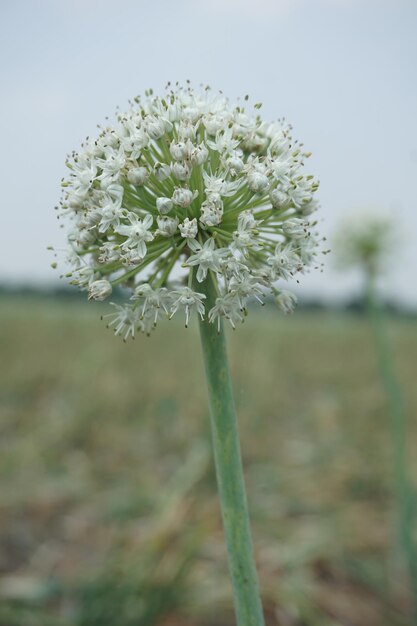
(405, 495)
(229, 469)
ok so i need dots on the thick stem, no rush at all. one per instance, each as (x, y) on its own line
(404, 491)
(229, 469)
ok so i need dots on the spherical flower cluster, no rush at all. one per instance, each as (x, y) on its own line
(184, 189)
(367, 241)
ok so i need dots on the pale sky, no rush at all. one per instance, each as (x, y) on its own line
(343, 72)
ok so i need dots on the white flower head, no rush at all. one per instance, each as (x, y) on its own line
(367, 240)
(188, 184)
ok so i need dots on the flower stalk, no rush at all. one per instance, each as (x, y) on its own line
(229, 470)
(398, 423)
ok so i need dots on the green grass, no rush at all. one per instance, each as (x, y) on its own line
(108, 500)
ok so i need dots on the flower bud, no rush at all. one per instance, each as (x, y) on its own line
(161, 171)
(164, 205)
(189, 228)
(173, 111)
(295, 228)
(99, 290)
(279, 199)
(247, 221)
(212, 210)
(213, 123)
(115, 192)
(210, 215)
(191, 114)
(308, 208)
(215, 200)
(254, 142)
(167, 226)
(183, 197)
(257, 182)
(181, 170)
(138, 175)
(180, 150)
(156, 127)
(186, 130)
(199, 155)
(235, 165)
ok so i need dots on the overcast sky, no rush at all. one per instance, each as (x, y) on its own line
(342, 71)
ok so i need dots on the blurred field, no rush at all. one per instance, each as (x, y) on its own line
(109, 513)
